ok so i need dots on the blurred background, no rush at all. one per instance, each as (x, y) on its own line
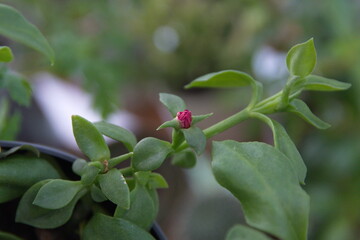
(114, 57)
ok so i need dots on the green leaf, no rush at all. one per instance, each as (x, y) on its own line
(14, 26)
(184, 159)
(25, 147)
(57, 193)
(78, 166)
(301, 58)
(8, 236)
(301, 109)
(19, 89)
(173, 103)
(240, 232)
(142, 210)
(318, 83)
(156, 180)
(117, 133)
(172, 123)
(284, 144)
(223, 79)
(89, 139)
(96, 194)
(195, 137)
(39, 217)
(6, 54)
(263, 180)
(9, 192)
(150, 153)
(89, 175)
(111, 228)
(115, 188)
(199, 118)
(15, 177)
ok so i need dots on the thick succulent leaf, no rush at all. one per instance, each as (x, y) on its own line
(115, 188)
(240, 232)
(13, 150)
(39, 217)
(15, 177)
(318, 83)
(14, 26)
(89, 139)
(8, 236)
(196, 138)
(111, 228)
(89, 174)
(173, 103)
(142, 210)
(284, 144)
(57, 193)
(184, 159)
(263, 180)
(301, 58)
(6, 54)
(301, 109)
(150, 153)
(117, 133)
(79, 166)
(199, 118)
(223, 79)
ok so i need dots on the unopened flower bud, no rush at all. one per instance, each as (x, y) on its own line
(184, 118)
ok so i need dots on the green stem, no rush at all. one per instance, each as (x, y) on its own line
(116, 160)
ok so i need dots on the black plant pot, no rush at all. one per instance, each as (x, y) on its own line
(65, 161)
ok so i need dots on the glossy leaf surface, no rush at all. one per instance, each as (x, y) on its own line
(115, 188)
(195, 137)
(301, 58)
(117, 133)
(300, 108)
(173, 103)
(89, 139)
(14, 26)
(240, 232)
(150, 153)
(111, 228)
(263, 180)
(39, 217)
(57, 193)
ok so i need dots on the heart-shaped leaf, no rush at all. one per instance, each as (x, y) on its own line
(263, 180)
(89, 139)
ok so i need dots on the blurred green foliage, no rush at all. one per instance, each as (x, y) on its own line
(111, 46)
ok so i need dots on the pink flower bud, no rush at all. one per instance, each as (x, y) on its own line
(184, 118)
